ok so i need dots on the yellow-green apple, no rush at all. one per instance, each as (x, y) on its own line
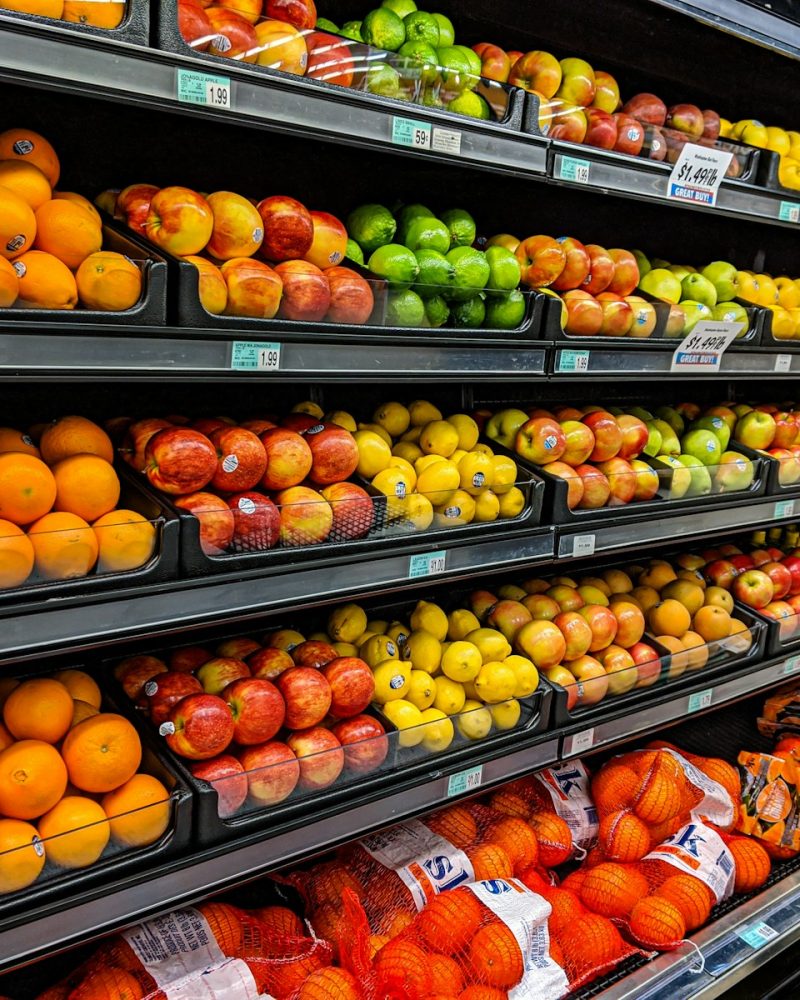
(133, 205)
(617, 315)
(596, 488)
(306, 292)
(646, 480)
(540, 440)
(753, 588)
(334, 454)
(495, 64)
(289, 458)
(562, 678)
(237, 230)
(199, 727)
(565, 596)
(179, 460)
(584, 313)
(620, 668)
(329, 59)
(567, 122)
(591, 677)
(577, 85)
(269, 662)
(648, 662)
(187, 659)
(352, 685)
(646, 108)
(781, 578)
(579, 441)
(601, 269)
(508, 617)
(256, 522)
(503, 426)
(621, 480)
(241, 459)
(211, 287)
(232, 36)
(607, 435)
(789, 470)
(194, 26)
(606, 92)
(254, 289)
(755, 429)
(536, 70)
(240, 647)
(165, 690)
(577, 634)
(329, 245)
(288, 228)
(541, 259)
(542, 642)
(630, 135)
(603, 624)
(226, 776)
(481, 602)
(634, 435)
(313, 653)
(218, 673)
(601, 129)
(353, 510)
(179, 221)
(364, 743)
(687, 118)
(320, 755)
(307, 696)
(272, 772)
(576, 267)
(734, 472)
(216, 523)
(535, 585)
(351, 297)
(136, 438)
(630, 623)
(541, 607)
(257, 708)
(571, 478)
(626, 272)
(306, 516)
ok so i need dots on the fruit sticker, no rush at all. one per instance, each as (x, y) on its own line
(427, 863)
(568, 788)
(698, 850)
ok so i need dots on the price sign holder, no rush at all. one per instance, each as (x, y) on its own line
(578, 743)
(702, 349)
(757, 934)
(783, 508)
(582, 545)
(252, 356)
(697, 174)
(203, 88)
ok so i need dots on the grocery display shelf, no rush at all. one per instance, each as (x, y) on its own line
(606, 362)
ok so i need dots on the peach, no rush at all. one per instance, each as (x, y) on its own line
(254, 289)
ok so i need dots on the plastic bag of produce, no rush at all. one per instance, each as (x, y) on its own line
(770, 807)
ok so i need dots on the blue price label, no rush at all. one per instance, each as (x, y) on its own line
(573, 361)
(407, 132)
(789, 211)
(571, 169)
(427, 564)
(252, 356)
(784, 508)
(757, 935)
(700, 700)
(202, 88)
(464, 781)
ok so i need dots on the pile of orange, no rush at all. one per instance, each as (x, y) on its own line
(70, 783)
(58, 506)
(97, 13)
(51, 242)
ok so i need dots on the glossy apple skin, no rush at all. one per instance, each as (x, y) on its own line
(364, 742)
(269, 662)
(320, 755)
(538, 71)
(239, 647)
(601, 269)
(353, 510)
(289, 458)
(572, 479)
(134, 672)
(541, 260)
(215, 519)
(215, 675)
(580, 441)
(179, 221)
(306, 292)
(564, 679)
(133, 205)
(584, 313)
(165, 690)
(646, 108)
(753, 588)
(226, 776)
(542, 642)
(617, 315)
(721, 573)
(300, 13)
(596, 488)
(242, 460)
(687, 118)
(711, 125)
(351, 299)
(306, 516)
(541, 440)
(257, 708)
(630, 623)
(329, 59)
(352, 685)
(136, 438)
(606, 93)
(634, 435)
(654, 146)
(194, 26)
(621, 479)
(508, 617)
(256, 522)
(254, 289)
(188, 658)
(334, 454)
(591, 677)
(329, 243)
(179, 460)
(541, 607)
(576, 631)
(288, 228)
(576, 268)
(307, 695)
(626, 272)
(199, 727)
(313, 653)
(648, 662)
(607, 435)
(272, 771)
(233, 37)
(603, 624)
(495, 64)
(569, 123)
(630, 135)
(601, 129)
(781, 578)
(237, 228)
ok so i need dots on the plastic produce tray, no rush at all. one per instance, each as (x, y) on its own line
(768, 339)
(767, 174)
(134, 28)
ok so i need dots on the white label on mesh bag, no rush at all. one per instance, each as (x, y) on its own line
(568, 787)
(700, 851)
(716, 806)
(525, 914)
(232, 980)
(427, 863)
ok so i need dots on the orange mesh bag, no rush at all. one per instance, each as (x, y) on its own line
(769, 807)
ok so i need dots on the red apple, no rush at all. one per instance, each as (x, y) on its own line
(233, 37)
(591, 677)
(620, 669)
(133, 202)
(541, 440)
(188, 658)
(334, 454)
(606, 92)
(306, 293)
(792, 563)
(289, 458)
(576, 268)
(753, 588)
(601, 129)
(630, 135)
(307, 695)
(254, 289)
(630, 623)
(786, 616)
(562, 678)
(580, 442)
(207, 425)
(134, 672)
(785, 430)
(258, 426)
(617, 315)
(165, 690)
(654, 146)
(179, 220)
(199, 727)
(313, 653)
(495, 64)
(269, 662)
(541, 260)
(603, 624)
(675, 142)
(241, 459)
(216, 522)
(508, 617)
(646, 108)
(584, 313)
(634, 435)
(686, 118)
(320, 755)
(329, 59)
(711, 125)
(721, 573)
(607, 435)
(577, 633)
(762, 556)
(364, 742)
(217, 674)
(566, 597)
(136, 438)
(179, 460)
(301, 13)
(569, 122)
(257, 708)
(601, 270)
(226, 776)
(621, 480)
(329, 244)
(572, 479)
(742, 562)
(298, 421)
(352, 685)
(353, 510)
(306, 516)
(781, 579)
(272, 772)
(596, 488)
(256, 522)
(352, 300)
(194, 25)
(648, 662)
(789, 470)
(481, 602)
(626, 272)
(288, 228)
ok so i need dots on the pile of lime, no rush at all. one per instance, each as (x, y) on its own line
(436, 277)
(428, 68)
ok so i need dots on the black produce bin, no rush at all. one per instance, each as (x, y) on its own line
(781, 345)
(133, 29)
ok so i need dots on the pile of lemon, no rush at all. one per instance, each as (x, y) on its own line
(781, 141)
(780, 295)
(433, 470)
(438, 673)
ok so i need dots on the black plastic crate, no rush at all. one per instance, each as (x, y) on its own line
(768, 339)
(133, 29)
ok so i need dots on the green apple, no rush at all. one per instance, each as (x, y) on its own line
(717, 426)
(503, 426)
(732, 312)
(681, 477)
(661, 284)
(694, 312)
(703, 445)
(680, 270)
(723, 276)
(699, 289)
(640, 412)
(701, 478)
(642, 261)
(659, 262)
(616, 411)
(735, 472)
(669, 439)
(672, 417)
(653, 446)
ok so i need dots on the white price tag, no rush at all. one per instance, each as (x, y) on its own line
(702, 349)
(251, 356)
(783, 362)
(784, 508)
(579, 743)
(582, 545)
(697, 174)
(427, 564)
(700, 700)
(446, 140)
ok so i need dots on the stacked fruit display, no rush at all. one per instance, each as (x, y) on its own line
(65, 800)
(107, 14)
(51, 242)
(780, 295)
(59, 518)
(436, 275)
(785, 143)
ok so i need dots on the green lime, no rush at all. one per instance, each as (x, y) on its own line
(396, 263)
(461, 225)
(323, 24)
(447, 33)
(400, 7)
(371, 226)
(354, 252)
(472, 273)
(456, 69)
(505, 312)
(409, 212)
(383, 79)
(421, 58)
(426, 234)
(472, 104)
(471, 313)
(437, 311)
(504, 269)
(405, 308)
(435, 273)
(472, 57)
(431, 99)
(352, 29)
(421, 27)
(383, 29)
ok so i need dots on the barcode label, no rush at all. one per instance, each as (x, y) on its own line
(571, 169)
(427, 564)
(573, 361)
(465, 781)
(700, 700)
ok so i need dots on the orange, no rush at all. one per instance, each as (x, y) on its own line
(6, 739)
(679, 657)
(490, 861)
(7, 685)
(574, 881)
(657, 575)
(99, 13)
(482, 993)
(212, 287)
(126, 541)
(743, 640)
(24, 143)
(691, 896)
(78, 199)
(615, 787)
(27, 488)
(554, 837)
(565, 907)
(723, 773)
(537, 880)
(657, 923)
(67, 231)
(86, 485)
(17, 224)
(26, 180)
(518, 840)
(10, 438)
(454, 824)
(659, 798)
(108, 282)
(510, 804)
(329, 984)
(591, 942)
(224, 923)
(712, 623)
(108, 981)
(394, 922)
(495, 956)
(689, 594)
(81, 710)
(403, 965)
(64, 545)
(20, 861)
(80, 685)
(613, 890)
(329, 882)
(102, 753)
(450, 920)
(446, 977)
(45, 282)
(44, 8)
(38, 709)
(139, 811)
(32, 779)
(75, 436)
(697, 649)
(623, 836)
(16, 556)
(79, 831)
(751, 861)
(9, 284)
(669, 617)
(280, 921)
(281, 46)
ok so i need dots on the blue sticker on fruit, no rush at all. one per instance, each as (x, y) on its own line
(407, 132)
(573, 361)
(757, 935)
(252, 356)
(789, 211)
(571, 169)
(465, 781)
(202, 88)
(427, 564)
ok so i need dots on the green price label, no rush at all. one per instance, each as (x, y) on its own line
(464, 781)
(202, 88)
(570, 169)
(427, 564)
(407, 132)
(252, 356)
(700, 700)
(573, 361)
(789, 211)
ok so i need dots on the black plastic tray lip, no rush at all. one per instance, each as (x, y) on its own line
(767, 175)
(774, 645)
(134, 28)
(772, 468)
(768, 340)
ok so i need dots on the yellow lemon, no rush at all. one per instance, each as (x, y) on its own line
(474, 721)
(429, 616)
(439, 438)
(484, 449)
(394, 417)
(512, 503)
(418, 511)
(310, 407)
(396, 462)
(408, 451)
(466, 428)
(438, 482)
(422, 689)
(783, 324)
(437, 730)
(320, 637)
(412, 435)
(768, 293)
(725, 128)
(286, 639)
(778, 140)
(342, 419)
(382, 433)
(788, 293)
(459, 623)
(347, 623)
(450, 696)
(366, 634)
(422, 412)
(747, 286)
(526, 673)
(379, 648)
(394, 482)
(457, 455)
(471, 692)
(795, 314)
(477, 472)
(461, 661)
(492, 644)
(506, 715)
(423, 650)
(378, 625)
(426, 462)
(392, 681)
(398, 631)
(496, 682)
(345, 648)
(373, 454)
(458, 510)
(487, 506)
(408, 719)
(504, 473)
(754, 134)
